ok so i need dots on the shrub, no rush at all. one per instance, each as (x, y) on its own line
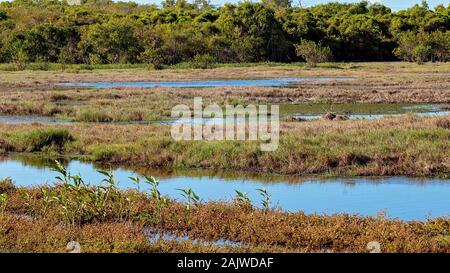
(203, 61)
(156, 57)
(421, 53)
(423, 46)
(20, 60)
(313, 53)
(66, 56)
(407, 42)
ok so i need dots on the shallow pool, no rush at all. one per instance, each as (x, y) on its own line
(31, 119)
(399, 197)
(209, 83)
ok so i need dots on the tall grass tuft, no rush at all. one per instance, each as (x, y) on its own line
(38, 139)
(89, 115)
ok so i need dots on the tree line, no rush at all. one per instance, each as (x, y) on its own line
(106, 32)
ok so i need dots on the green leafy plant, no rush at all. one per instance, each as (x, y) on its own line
(3, 203)
(243, 200)
(48, 197)
(191, 198)
(27, 201)
(266, 198)
(136, 181)
(105, 192)
(155, 194)
(80, 202)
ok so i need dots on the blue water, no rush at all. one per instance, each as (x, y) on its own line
(378, 116)
(211, 83)
(400, 197)
(31, 119)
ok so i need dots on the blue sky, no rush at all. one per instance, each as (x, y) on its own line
(394, 4)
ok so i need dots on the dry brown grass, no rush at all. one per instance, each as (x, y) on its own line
(380, 69)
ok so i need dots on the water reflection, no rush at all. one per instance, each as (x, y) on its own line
(401, 197)
(209, 83)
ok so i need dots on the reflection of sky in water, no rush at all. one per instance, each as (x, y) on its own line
(401, 197)
(211, 83)
(30, 119)
(378, 116)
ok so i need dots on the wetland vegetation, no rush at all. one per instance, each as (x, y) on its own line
(69, 90)
(408, 144)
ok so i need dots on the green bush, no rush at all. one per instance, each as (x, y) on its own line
(155, 57)
(313, 53)
(203, 61)
(421, 53)
(20, 60)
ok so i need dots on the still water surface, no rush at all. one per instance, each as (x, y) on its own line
(209, 83)
(400, 197)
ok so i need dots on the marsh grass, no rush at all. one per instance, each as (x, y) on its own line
(129, 105)
(89, 115)
(45, 66)
(37, 140)
(396, 146)
(372, 91)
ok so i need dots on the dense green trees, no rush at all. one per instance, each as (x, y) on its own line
(102, 31)
(423, 46)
